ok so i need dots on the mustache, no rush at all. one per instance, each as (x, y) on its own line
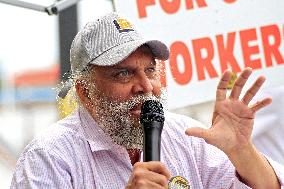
(133, 101)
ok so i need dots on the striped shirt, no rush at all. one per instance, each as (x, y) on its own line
(76, 153)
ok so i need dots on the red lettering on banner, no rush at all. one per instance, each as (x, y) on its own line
(248, 36)
(203, 49)
(271, 50)
(179, 48)
(204, 63)
(170, 7)
(226, 52)
(141, 5)
(200, 3)
(230, 1)
(163, 76)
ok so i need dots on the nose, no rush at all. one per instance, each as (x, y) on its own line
(142, 85)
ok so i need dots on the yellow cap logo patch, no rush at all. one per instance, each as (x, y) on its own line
(123, 25)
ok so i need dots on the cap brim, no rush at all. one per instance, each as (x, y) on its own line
(119, 53)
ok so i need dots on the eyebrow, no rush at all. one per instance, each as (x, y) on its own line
(119, 67)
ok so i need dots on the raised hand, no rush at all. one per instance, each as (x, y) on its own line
(233, 117)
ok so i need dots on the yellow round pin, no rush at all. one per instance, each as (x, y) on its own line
(178, 182)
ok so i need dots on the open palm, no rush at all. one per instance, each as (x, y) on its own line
(233, 118)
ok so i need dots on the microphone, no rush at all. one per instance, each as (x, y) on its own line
(152, 120)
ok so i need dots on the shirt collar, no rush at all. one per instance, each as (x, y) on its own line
(97, 138)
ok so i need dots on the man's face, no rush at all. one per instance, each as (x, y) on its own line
(117, 93)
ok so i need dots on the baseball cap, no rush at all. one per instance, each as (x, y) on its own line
(108, 41)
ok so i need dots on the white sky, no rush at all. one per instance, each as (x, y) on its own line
(29, 39)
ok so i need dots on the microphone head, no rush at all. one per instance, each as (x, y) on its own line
(151, 110)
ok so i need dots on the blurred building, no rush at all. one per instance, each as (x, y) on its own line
(27, 106)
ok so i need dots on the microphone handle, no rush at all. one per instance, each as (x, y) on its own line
(152, 141)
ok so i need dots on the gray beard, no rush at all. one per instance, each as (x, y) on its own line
(115, 120)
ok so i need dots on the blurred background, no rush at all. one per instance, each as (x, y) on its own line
(34, 57)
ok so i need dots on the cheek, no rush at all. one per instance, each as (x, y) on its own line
(123, 92)
(157, 86)
(117, 92)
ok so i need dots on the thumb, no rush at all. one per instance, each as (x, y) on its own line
(197, 132)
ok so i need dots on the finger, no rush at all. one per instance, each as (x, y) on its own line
(239, 83)
(155, 185)
(197, 132)
(145, 180)
(260, 104)
(253, 90)
(222, 90)
(215, 114)
(157, 178)
(151, 177)
(222, 86)
(146, 185)
(155, 166)
(151, 171)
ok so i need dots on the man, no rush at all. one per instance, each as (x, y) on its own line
(100, 144)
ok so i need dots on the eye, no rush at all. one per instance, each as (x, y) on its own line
(122, 75)
(151, 69)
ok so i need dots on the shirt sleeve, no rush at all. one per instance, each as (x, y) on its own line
(218, 172)
(40, 169)
(215, 168)
(278, 169)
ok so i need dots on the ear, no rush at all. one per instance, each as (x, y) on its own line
(83, 93)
